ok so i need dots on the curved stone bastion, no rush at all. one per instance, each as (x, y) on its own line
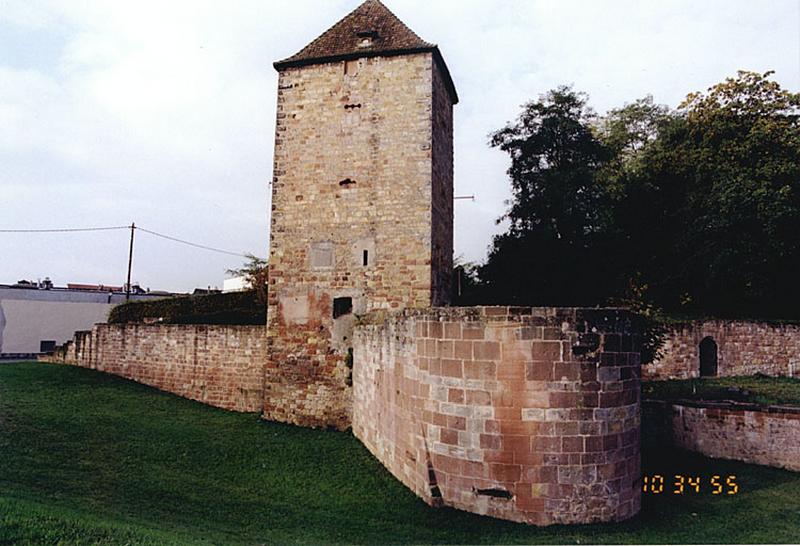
(524, 414)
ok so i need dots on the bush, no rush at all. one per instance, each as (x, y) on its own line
(231, 308)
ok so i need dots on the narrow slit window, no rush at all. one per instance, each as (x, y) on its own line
(365, 261)
(496, 493)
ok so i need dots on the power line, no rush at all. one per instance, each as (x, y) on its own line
(65, 230)
(112, 228)
(133, 227)
(204, 247)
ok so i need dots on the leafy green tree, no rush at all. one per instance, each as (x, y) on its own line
(256, 274)
(554, 159)
(712, 205)
(634, 217)
(556, 213)
(626, 132)
(695, 210)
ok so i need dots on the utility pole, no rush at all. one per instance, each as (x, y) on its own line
(130, 264)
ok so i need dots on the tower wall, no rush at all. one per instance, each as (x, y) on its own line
(442, 191)
(361, 209)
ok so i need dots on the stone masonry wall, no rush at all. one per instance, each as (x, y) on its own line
(743, 348)
(442, 192)
(760, 435)
(529, 415)
(218, 365)
(352, 217)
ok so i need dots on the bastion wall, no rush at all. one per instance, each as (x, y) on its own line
(529, 415)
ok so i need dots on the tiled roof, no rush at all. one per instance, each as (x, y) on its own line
(370, 30)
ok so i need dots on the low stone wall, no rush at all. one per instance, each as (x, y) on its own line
(743, 348)
(218, 365)
(529, 415)
(761, 435)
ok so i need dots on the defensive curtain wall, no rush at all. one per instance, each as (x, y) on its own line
(524, 414)
(744, 432)
(223, 366)
(218, 365)
(727, 348)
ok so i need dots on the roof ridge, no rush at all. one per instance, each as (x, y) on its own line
(339, 38)
(370, 30)
(409, 29)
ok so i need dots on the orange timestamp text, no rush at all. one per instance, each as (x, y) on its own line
(678, 484)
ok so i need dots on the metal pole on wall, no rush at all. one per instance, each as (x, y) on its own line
(130, 264)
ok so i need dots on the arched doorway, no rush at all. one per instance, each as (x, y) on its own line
(708, 357)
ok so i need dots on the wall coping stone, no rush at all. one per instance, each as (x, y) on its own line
(726, 405)
(595, 316)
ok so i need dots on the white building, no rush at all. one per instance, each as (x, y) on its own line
(35, 317)
(235, 284)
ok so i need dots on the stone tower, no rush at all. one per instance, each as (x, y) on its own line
(362, 202)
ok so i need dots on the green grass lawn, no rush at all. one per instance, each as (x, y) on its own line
(759, 389)
(87, 458)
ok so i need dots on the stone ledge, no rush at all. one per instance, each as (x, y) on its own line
(727, 405)
(608, 319)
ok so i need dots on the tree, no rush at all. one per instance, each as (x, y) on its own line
(556, 212)
(715, 205)
(626, 132)
(466, 283)
(635, 215)
(554, 157)
(256, 275)
(695, 210)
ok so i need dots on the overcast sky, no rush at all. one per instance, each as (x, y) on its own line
(163, 112)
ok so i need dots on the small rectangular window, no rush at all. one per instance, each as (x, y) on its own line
(342, 306)
(366, 258)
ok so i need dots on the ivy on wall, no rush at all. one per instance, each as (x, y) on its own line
(231, 308)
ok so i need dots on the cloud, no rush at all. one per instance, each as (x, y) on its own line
(163, 112)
